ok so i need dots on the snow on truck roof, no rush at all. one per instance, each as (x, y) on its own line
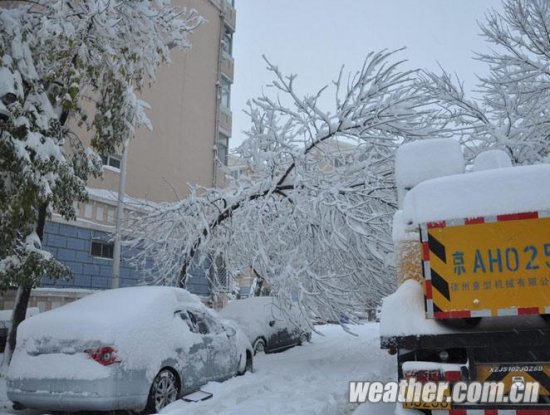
(425, 159)
(484, 193)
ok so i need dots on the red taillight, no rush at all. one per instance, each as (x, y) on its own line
(104, 355)
(423, 376)
(453, 376)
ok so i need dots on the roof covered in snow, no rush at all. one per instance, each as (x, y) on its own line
(139, 322)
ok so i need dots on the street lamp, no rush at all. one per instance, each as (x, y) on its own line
(119, 217)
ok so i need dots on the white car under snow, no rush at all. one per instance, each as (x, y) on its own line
(131, 348)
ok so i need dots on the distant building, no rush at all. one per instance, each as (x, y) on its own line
(191, 117)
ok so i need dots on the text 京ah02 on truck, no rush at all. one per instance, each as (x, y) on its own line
(473, 266)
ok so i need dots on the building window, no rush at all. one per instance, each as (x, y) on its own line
(88, 211)
(227, 41)
(99, 213)
(231, 3)
(225, 94)
(235, 173)
(102, 249)
(223, 146)
(111, 160)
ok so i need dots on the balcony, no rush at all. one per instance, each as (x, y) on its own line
(227, 66)
(230, 15)
(225, 121)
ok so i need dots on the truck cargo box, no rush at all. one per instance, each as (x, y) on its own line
(484, 242)
(487, 266)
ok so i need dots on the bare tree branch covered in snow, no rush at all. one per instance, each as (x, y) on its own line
(68, 60)
(315, 231)
(513, 112)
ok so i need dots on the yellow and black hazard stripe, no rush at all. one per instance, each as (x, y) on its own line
(433, 280)
(432, 247)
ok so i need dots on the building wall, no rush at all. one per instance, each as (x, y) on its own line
(185, 116)
(71, 245)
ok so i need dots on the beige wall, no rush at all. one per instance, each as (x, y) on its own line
(180, 149)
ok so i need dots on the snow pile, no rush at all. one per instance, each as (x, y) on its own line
(400, 231)
(484, 193)
(10, 82)
(426, 159)
(254, 314)
(139, 322)
(403, 313)
(413, 366)
(492, 159)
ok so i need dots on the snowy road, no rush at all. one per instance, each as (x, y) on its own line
(311, 379)
(307, 380)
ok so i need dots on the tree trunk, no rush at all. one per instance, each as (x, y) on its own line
(22, 297)
(259, 284)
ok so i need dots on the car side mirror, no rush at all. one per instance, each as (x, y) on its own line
(271, 323)
(230, 331)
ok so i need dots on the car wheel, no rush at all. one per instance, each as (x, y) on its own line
(302, 339)
(259, 346)
(164, 390)
(249, 366)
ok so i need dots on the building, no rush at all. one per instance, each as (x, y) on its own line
(190, 112)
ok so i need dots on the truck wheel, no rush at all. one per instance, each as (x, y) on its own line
(462, 323)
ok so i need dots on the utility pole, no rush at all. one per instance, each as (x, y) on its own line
(119, 217)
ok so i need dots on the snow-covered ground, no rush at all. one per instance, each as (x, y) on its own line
(311, 379)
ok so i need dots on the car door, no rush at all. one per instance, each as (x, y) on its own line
(194, 359)
(222, 349)
(281, 336)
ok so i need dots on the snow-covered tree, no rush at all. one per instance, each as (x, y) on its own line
(68, 66)
(511, 112)
(313, 230)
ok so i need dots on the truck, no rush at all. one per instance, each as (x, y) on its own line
(472, 253)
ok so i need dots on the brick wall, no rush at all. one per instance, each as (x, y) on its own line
(71, 245)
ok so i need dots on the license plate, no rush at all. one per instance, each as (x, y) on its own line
(427, 405)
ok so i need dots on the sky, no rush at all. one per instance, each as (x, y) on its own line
(314, 38)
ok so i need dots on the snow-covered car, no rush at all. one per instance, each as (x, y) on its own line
(268, 327)
(130, 348)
